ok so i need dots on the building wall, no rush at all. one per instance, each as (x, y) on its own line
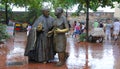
(99, 16)
(93, 16)
(117, 11)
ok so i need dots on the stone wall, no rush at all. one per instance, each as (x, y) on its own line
(99, 16)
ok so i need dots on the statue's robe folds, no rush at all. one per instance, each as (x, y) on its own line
(39, 46)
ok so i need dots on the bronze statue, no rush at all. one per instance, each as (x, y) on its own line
(60, 28)
(39, 46)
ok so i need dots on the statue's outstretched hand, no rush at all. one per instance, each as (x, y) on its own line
(61, 30)
(58, 30)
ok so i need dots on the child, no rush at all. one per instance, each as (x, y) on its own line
(28, 29)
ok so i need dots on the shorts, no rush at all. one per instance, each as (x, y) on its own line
(116, 32)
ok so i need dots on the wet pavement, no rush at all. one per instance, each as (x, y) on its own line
(82, 55)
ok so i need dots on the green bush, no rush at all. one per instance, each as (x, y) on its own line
(3, 32)
(82, 37)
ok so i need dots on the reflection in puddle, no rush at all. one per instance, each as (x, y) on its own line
(16, 56)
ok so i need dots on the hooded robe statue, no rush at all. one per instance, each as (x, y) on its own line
(39, 46)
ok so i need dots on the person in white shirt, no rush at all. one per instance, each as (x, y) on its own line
(116, 29)
(28, 29)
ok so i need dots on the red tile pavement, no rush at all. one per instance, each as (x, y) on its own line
(83, 55)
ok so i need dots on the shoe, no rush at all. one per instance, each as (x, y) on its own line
(59, 63)
(44, 62)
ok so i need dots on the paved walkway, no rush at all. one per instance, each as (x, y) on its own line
(83, 55)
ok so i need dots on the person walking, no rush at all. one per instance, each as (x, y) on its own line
(116, 29)
(108, 28)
